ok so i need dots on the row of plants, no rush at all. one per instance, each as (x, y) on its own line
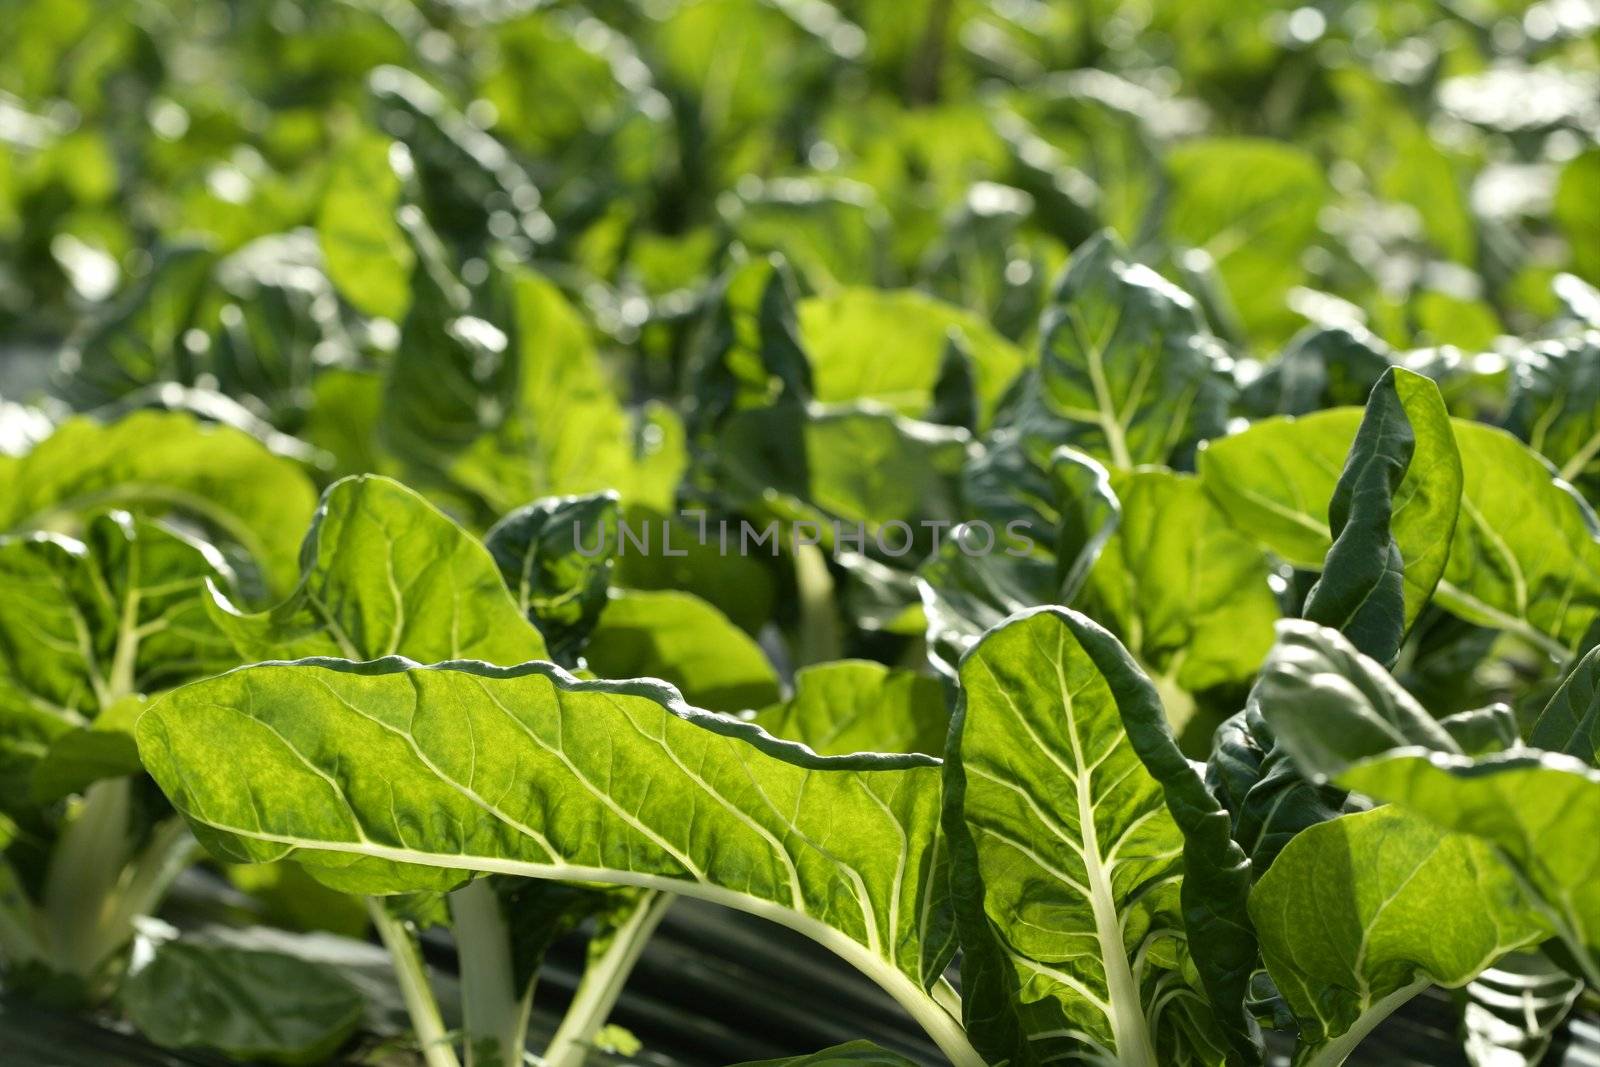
(1083, 514)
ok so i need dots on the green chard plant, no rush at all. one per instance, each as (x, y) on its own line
(1084, 517)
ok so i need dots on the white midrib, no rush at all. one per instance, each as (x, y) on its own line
(940, 1025)
(1129, 1029)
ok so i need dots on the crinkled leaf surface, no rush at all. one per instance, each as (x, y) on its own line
(86, 624)
(386, 573)
(1531, 806)
(386, 777)
(1555, 405)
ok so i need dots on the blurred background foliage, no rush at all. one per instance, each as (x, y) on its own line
(207, 191)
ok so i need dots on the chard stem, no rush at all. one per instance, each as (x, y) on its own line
(494, 1011)
(426, 1022)
(602, 983)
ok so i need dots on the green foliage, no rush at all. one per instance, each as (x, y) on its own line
(1102, 492)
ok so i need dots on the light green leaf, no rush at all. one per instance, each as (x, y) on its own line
(250, 1004)
(388, 777)
(861, 706)
(86, 625)
(156, 464)
(1392, 516)
(682, 639)
(838, 329)
(1184, 590)
(1524, 556)
(1574, 213)
(366, 252)
(1361, 913)
(1531, 806)
(386, 573)
(1067, 864)
(1251, 205)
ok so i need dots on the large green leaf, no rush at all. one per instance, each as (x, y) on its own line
(1524, 556)
(838, 329)
(860, 706)
(385, 573)
(386, 777)
(158, 464)
(251, 1004)
(1392, 515)
(1067, 863)
(501, 403)
(1531, 806)
(1360, 914)
(1184, 590)
(364, 248)
(1128, 371)
(682, 639)
(1251, 205)
(86, 624)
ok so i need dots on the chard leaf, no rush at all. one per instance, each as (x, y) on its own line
(748, 352)
(1066, 860)
(1391, 528)
(1128, 372)
(84, 626)
(1361, 913)
(159, 464)
(251, 1004)
(1329, 705)
(1062, 525)
(838, 328)
(861, 706)
(1531, 806)
(685, 641)
(1184, 590)
(1570, 722)
(386, 573)
(1251, 205)
(1533, 570)
(853, 466)
(1322, 367)
(559, 579)
(365, 250)
(388, 777)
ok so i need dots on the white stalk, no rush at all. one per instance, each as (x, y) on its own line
(602, 984)
(427, 1025)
